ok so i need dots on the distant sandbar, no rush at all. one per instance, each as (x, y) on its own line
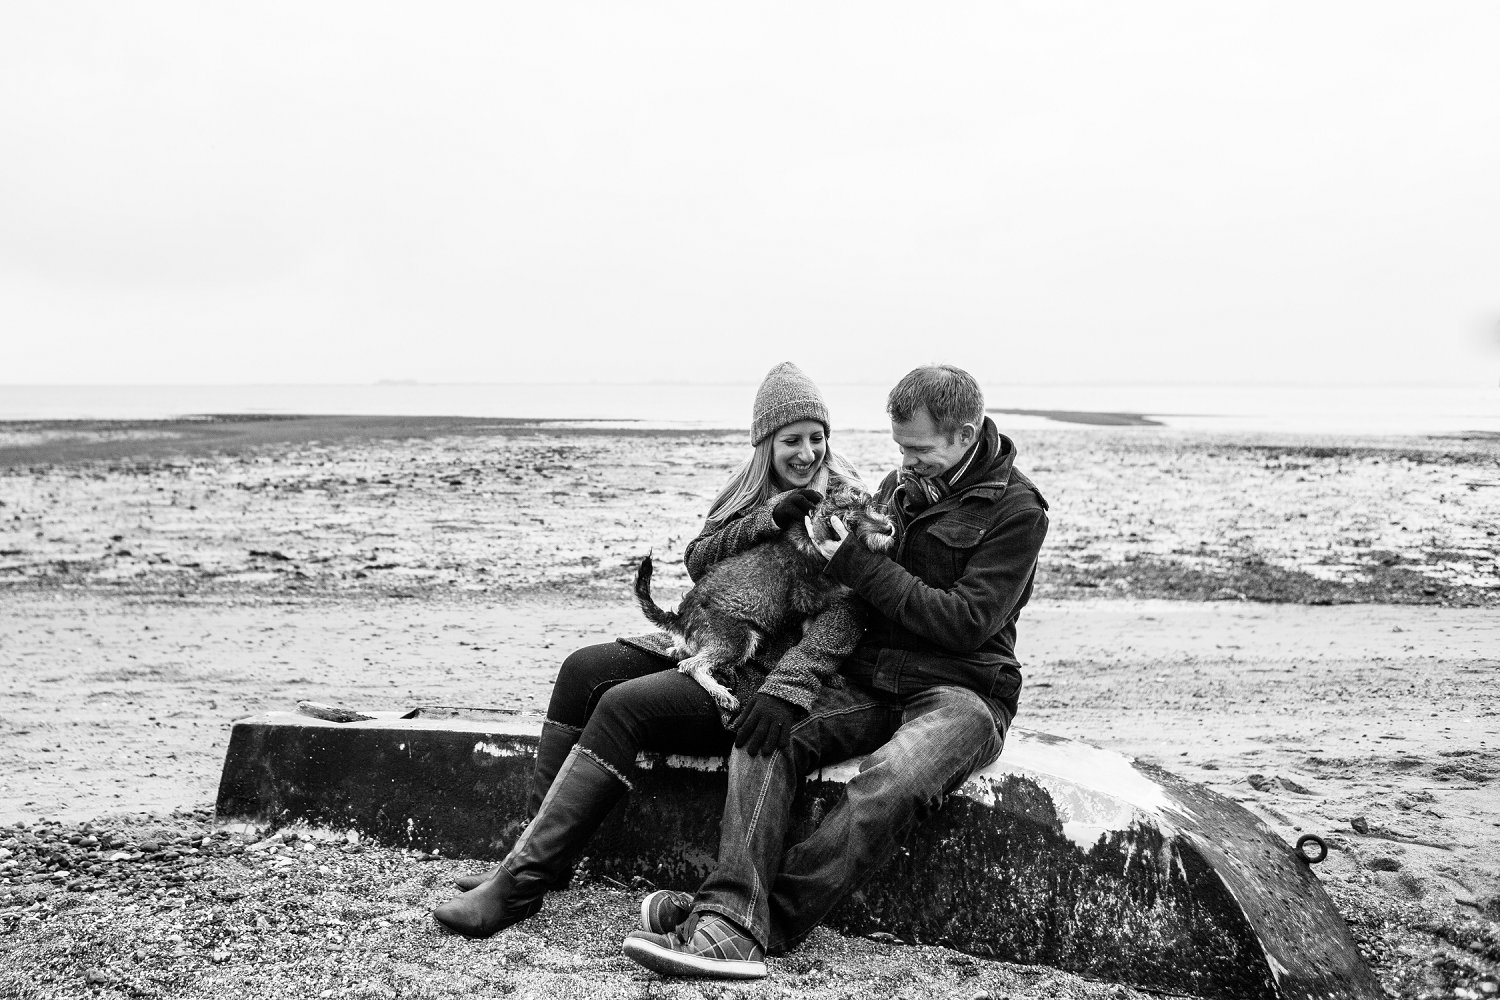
(1095, 417)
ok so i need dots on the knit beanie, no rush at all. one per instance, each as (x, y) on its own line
(785, 397)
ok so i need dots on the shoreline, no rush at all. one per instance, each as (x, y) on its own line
(1228, 407)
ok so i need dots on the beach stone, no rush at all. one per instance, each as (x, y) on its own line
(1360, 824)
(1259, 782)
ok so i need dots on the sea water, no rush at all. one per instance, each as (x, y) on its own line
(1342, 409)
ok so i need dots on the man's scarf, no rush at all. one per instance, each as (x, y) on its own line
(920, 492)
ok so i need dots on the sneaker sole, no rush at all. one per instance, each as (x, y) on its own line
(675, 963)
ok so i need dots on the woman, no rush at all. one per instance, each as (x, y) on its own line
(613, 700)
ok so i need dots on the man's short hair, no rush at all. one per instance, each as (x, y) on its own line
(949, 394)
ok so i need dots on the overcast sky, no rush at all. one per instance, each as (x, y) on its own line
(344, 192)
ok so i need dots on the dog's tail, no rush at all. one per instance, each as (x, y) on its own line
(656, 615)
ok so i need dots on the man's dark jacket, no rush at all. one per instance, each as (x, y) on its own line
(944, 603)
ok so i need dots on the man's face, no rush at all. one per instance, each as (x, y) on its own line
(925, 449)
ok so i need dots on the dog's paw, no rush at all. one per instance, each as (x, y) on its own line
(727, 702)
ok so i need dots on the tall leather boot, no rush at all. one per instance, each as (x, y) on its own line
(551, 750)
(580, 797)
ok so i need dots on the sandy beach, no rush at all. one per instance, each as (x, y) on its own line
(1306, 625)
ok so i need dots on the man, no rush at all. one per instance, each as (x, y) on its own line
(933, 689)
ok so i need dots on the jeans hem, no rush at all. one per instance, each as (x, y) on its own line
(744, 923)
(613, 771)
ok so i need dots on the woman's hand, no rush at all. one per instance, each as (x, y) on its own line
(798, 503)
(765, 725)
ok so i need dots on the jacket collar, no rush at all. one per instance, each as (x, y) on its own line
(1000, 459)
(988, 480)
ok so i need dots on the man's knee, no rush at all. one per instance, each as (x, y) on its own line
(964, 712)
(946, 735)
(976, 730)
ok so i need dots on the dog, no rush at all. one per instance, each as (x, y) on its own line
(764, 591)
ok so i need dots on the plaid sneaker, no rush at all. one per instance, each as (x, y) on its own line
(705, 945)
(664, 910)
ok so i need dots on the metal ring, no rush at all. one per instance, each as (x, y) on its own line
(1315, 840)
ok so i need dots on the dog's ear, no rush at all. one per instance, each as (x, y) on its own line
(845, 496)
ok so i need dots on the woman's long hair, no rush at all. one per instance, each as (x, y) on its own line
(752, 483)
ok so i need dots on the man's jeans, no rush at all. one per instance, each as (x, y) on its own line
(919, 749)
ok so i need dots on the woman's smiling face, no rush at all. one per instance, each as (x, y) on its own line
(797, 452)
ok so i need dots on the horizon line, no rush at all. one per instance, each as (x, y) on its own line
(410, 383)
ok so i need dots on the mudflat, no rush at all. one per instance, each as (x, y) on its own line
(1307, 626)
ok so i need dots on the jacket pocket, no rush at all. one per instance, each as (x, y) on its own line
(955, 539)
(959, 533)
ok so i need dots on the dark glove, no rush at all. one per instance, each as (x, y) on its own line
(765, 725)
(794, 507)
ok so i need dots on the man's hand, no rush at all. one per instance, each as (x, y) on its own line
(828, 546)
(798, 503)
(765, 725)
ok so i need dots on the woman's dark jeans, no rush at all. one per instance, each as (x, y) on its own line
(623, 700)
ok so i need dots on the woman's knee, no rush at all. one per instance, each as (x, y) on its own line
(590, 661)
(665, 711)
(616, 702)
(581, 674)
